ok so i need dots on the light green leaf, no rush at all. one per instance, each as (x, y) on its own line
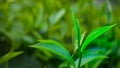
(94, 34)
(56, 17)
(88, 58)
(63, 65)
(39, 16)
(54, 47)
(9, 56)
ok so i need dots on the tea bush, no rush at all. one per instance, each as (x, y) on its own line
(23, 22)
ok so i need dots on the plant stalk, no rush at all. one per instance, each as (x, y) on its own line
(6, 64)
(79, 53)
(80, 57)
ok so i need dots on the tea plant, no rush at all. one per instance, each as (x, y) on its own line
(22, 22)
(58, 49)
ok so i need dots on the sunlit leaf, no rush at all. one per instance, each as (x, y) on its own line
(9, 56)
(94, 34)
(54, 47)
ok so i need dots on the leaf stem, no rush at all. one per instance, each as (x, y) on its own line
(79, 52)
(80, 57)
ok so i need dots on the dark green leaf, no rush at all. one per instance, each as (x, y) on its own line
(88, 58)
(97, 63)
(55, 48)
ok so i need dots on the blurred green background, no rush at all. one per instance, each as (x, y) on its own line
(23, 22)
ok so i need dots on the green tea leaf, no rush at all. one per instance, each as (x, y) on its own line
(76, 28)
(88, 58)
(39, 16)
(63, 65)
(78, 36)
(9, 56)
(81, 41)
(54, 47)
(56, 17)
(108, 11)
(94, 34)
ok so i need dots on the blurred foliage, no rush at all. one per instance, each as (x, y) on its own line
(23, 22)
